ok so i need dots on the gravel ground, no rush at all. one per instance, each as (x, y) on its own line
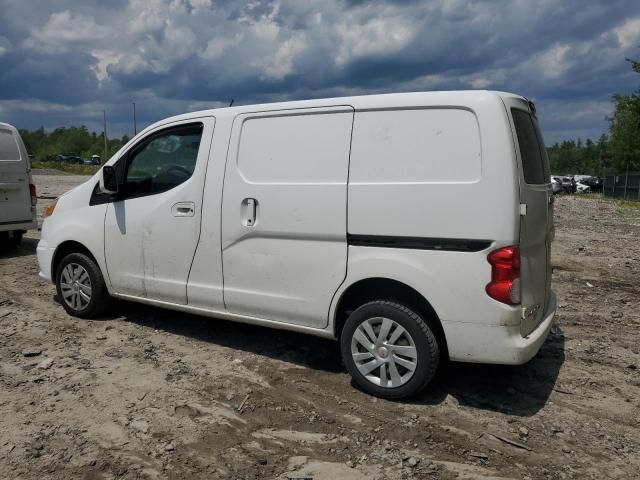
(50, 184)
(147, 393)
(49, 172)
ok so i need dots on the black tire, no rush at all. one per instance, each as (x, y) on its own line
(100, 298)
(11, 239)
(16, 238)
(426, 344)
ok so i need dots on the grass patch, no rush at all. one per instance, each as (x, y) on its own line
(73, 169)
(628, 208)
(633, 204)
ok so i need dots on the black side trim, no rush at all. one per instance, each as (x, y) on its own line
(418, 243)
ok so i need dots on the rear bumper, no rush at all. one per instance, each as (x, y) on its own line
(45, 256)
(20, 225)
(504, 345)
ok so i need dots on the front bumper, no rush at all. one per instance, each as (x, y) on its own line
(45, 257)
(504, 345)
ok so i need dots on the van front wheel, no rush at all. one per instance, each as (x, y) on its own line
(389, 350)
(80, 286)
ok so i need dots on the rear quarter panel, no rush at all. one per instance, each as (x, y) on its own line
(481, 203)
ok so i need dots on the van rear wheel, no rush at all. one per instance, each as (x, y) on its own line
(389, 350)
(80, 286)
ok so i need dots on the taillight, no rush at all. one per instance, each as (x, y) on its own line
(505, 275)
(34, 197)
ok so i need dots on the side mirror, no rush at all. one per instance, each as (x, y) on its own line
(108, 180)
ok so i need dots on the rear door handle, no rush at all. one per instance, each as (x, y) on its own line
(183, 209)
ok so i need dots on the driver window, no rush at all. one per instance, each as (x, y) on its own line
(163, 161)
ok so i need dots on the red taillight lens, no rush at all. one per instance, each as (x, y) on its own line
(34, 196)
(505, 275)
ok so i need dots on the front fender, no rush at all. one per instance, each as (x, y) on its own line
(74, 220)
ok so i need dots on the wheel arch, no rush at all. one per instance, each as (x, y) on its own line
(381, 288)
(64, 249)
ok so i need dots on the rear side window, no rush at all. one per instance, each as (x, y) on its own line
(535, 167)
(8, 146)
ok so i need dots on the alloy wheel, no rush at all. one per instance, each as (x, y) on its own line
(75, 286)
(384, 352)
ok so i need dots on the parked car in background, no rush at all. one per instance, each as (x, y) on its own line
(556, 185)
(579, 178)
(582, 188)
(94, 160)
(567, 183)
(17, 190)
(70, 158)
(594, 183)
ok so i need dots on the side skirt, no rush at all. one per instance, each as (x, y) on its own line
(318, 332)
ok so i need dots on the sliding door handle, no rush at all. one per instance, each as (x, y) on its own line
(248, 211)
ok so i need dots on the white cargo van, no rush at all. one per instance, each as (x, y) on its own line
(411, 227)
(17, 190)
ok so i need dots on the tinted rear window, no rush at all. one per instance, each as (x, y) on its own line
(8, 146)
(532, 151)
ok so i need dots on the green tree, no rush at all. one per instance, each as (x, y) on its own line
(625, 129)
(67, 140)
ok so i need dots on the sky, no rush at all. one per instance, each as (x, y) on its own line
(63, 61)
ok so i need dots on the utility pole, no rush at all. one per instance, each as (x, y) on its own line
(135, 129)
(104, 130)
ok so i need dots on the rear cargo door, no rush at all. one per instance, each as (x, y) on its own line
(15, 198)
(536, 214)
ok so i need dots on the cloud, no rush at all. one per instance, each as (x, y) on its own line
(629, 33)
(64, 29)
(5, 45)
(217, 46)
(281, 64)
(173, 55)
(147, 16)
(381, 34)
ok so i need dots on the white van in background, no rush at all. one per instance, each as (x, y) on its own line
(17, 190)
(410, 227)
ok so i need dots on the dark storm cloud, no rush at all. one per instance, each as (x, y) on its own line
(64, 61)
(55, 78)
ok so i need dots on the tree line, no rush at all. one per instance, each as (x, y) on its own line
(79, 141)
(617, 152)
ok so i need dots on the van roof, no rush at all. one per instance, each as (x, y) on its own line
(360, 102)
(8, 126)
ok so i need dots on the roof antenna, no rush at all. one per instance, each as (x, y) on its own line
(231, 103)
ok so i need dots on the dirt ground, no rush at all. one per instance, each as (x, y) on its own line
(147, 393)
